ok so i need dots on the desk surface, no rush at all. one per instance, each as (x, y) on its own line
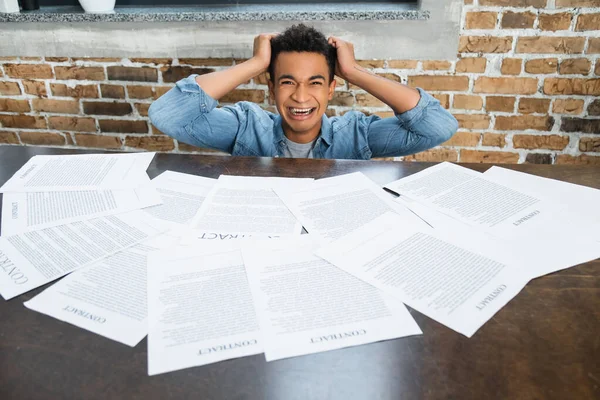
(545, 344)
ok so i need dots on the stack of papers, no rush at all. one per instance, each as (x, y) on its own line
(215, 269)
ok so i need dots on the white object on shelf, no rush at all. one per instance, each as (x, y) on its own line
(97, 6)
(9, 6)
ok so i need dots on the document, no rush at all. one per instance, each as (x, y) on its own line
(460, 280)
(80, 172)
(108, 297)
(481, 203)
(306, 305)
(248, 205)
(580, 202)
(31, 211)
(200, 308)
(332, 207)
(32, 259)
(181, 195)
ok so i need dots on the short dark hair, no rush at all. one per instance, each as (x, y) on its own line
(302, 38)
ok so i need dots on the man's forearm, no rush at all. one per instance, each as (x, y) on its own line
(218, 84)
(399, 97)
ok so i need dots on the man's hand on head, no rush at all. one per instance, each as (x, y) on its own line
(262, 49)
(346, 63)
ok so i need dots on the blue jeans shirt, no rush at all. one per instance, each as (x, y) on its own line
(189, 115)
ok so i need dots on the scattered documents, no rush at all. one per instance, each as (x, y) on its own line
(108, 297)
(163, 257)
(200, 307)
(306, 305)
(182, 196)
(248, 205)
(32, 211)
(29, 260)
(80, 172)
(332, 207)
(459, 280)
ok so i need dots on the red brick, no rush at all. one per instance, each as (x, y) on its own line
(494, 140)
(207, 62)
(590, 144)
(9, 138)
(434, 155)
(140, 92)
(506, 85)
(123, 126)
(23, 121)
(511, 66)
(80, 73)
(42, 138)
(471, 64)
(174, 74)
(578, 160)
(514, 3)
(151, 143)
(11, 105)
(569, 86)
(588, 22)
(141, 74)
(72, 124)
(468, 102)
(580, 66)
(36, 88)
(463, 139)
(542, 66)
(492, 157)
(517, 20)
(437, 82)
(56, 106)
(473, 121)
(550, 45)
(106, 108)
(523, 122)
(555, 22)
(534, 105)
(500, 103)
(112, 91)
(567, 106)
(9, 89)
(550, 142)
(29, 71)
(97, 141)
(79, 91)
(480, 20)
(484, 44)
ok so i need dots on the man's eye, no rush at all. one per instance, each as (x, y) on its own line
(286, 82)
(317, 83)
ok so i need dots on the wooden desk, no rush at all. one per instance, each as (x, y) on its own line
(545, 344)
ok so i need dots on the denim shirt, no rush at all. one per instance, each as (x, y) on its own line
(189, 115)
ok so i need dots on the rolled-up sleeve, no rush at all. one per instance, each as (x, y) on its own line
(425, 126)
(188, 114)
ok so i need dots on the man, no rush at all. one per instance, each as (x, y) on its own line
(301, 63)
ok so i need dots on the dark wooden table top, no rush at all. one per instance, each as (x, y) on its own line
(545, 344)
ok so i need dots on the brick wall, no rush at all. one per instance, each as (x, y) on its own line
(525, 87)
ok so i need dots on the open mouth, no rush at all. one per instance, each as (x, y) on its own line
(301, 113)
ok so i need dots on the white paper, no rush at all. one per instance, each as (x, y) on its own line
(460, 280)
(182, 196)
(200, 307)
(479, 202)
(108, 297)
(31, 211)
(248, 205)
(80, 172)
(306, 305)
(581, 203)
(332, 207)
(32, 259)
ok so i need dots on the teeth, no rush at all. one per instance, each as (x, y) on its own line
(301, 110)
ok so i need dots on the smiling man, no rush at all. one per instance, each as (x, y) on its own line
(301, 63)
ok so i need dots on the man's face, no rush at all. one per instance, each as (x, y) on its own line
(301, 90)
